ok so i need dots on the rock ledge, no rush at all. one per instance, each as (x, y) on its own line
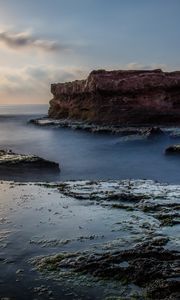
(10, 160)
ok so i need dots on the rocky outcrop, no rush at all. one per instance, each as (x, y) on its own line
(95, 128)
(174, 149)
(10, 161)
(148, 266)
(119, 98)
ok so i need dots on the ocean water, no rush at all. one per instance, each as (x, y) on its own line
(38, 220)
(84, 155)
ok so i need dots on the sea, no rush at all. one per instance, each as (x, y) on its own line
(36, 219)
(84, 155)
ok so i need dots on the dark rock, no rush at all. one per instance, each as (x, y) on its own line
(119, 98)
(147, 266)
(164, 290)
(174, 149)
(11, 160)
(154, 131)
(130, 131)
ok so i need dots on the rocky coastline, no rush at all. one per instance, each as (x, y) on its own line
(112, 129)
(106, 240)
(149, 264)
(114, 239)
(96, 128)
(134, 97)
(122, 237)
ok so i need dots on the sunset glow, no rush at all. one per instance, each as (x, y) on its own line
(43, 42)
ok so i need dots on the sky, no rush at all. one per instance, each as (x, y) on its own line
(48, 41)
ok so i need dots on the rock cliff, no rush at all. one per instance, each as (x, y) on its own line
(119, 98)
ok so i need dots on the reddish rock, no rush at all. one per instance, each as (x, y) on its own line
(119, 97)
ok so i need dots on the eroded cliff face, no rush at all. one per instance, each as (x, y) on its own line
(119, 97)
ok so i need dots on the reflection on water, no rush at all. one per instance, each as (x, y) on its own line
(83, 155)
(39, 220)
(59, 224)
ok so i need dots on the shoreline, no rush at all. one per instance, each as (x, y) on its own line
(127, 229)
(105, 224)
(145, 130)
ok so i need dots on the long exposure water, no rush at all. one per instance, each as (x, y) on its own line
(37, 220)
(84, 155)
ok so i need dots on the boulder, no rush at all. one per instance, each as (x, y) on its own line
(174, 149)
(11, 160)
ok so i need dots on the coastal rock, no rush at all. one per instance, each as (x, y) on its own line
(160, 200)
(152, 268)
(127, 131)
(136, 97)
(139, 257)
(10, 160)
(154, 131)
(174, 149)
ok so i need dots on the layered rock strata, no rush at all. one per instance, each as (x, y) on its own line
(135, 97)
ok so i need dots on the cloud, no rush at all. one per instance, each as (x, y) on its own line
(139, 66)
(32, 83)
(52, 73)
(22, 40)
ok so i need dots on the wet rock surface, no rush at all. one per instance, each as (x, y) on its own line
(92, 127)
(119, 97)
(153, 268)
(126, 131)
(145, 195)
(151, 265)
(174, 149)
(89, 240)
(10, 160)
(160, 200)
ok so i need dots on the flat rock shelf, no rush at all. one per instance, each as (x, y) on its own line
(11, 160)
(116, 239)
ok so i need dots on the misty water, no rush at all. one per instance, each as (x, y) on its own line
(84, 155)
(37, 219)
